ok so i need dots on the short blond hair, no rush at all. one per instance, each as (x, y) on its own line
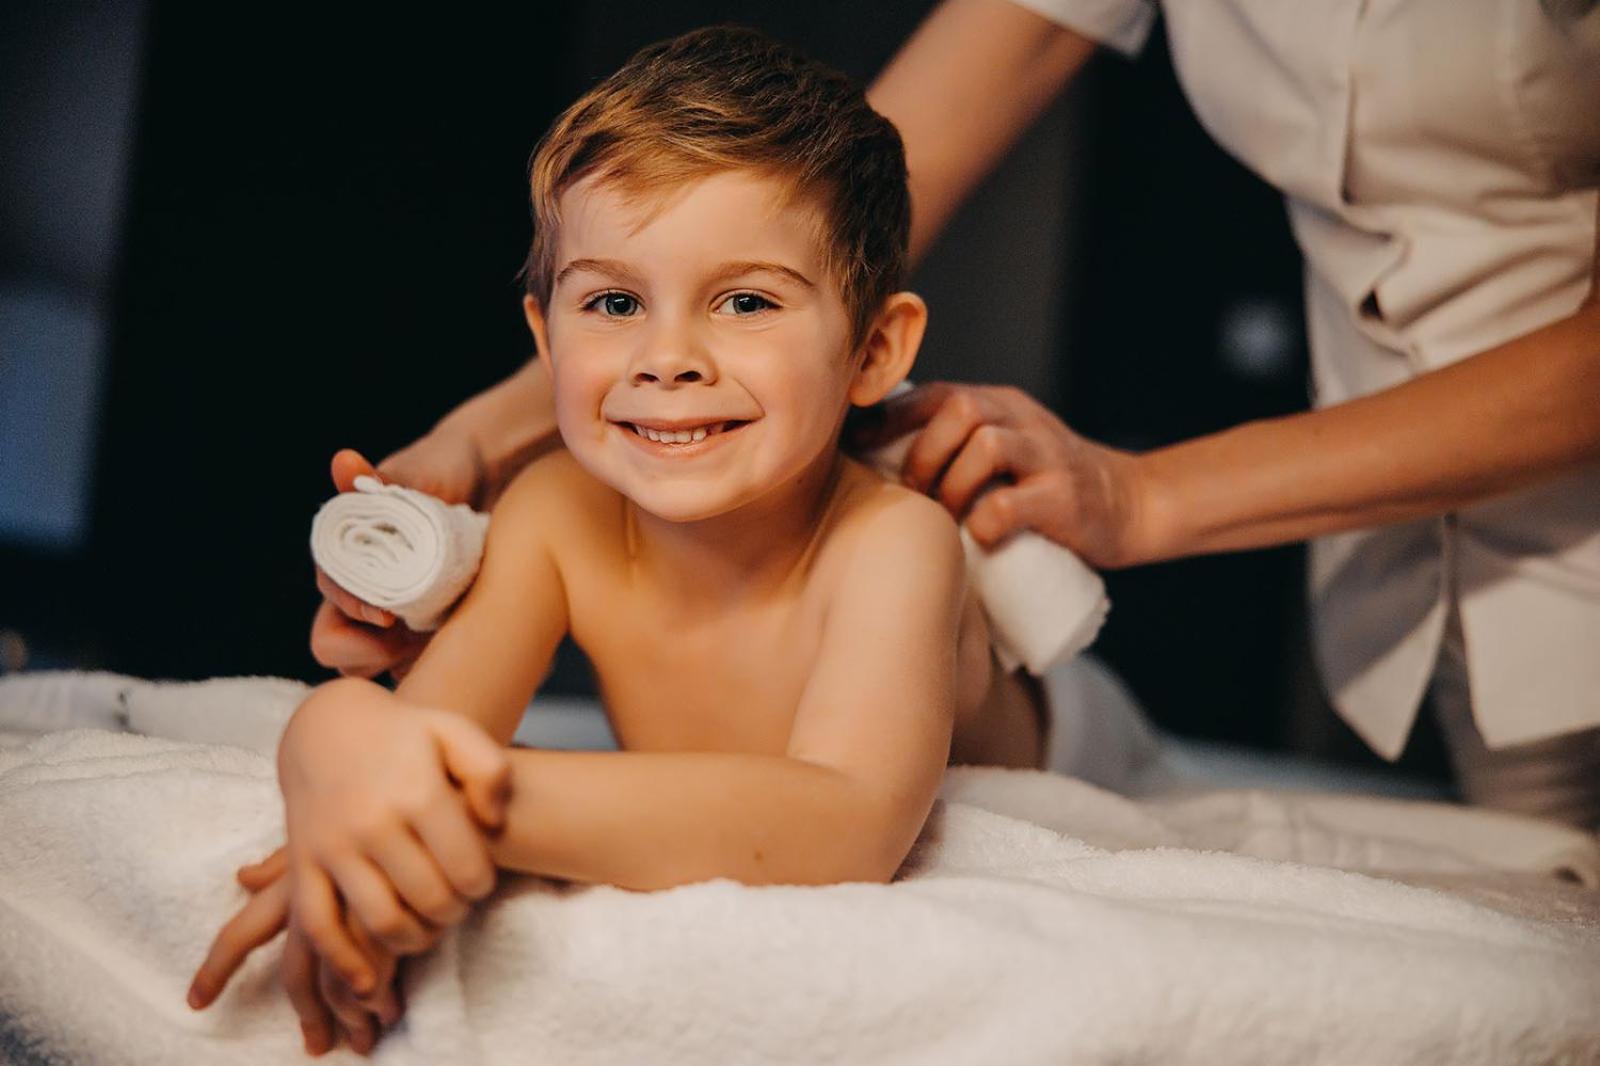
(729, 98)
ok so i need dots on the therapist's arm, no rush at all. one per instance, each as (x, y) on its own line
(476, 449)
(1513, 415)
(962, 89)
(1506, 418)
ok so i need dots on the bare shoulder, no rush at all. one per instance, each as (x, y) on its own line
(555, 494)
(878, 522)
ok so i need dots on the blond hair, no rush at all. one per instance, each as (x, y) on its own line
(729, 98)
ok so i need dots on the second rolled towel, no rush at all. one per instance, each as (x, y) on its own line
(399, 549)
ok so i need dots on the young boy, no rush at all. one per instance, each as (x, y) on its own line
(782, 639)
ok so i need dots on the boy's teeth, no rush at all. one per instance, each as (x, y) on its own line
(679, 436)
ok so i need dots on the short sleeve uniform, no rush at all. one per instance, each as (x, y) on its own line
(1440, 160)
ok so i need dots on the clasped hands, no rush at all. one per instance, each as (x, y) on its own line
(389, 809)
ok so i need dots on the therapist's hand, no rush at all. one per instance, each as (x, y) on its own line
(348, 635)
(1001, 462)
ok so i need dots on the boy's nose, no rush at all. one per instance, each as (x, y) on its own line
(672, 365)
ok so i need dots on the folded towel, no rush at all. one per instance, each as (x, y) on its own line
(399, 549)
(1044, 605)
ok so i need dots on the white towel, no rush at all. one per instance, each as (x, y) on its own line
(1044, 605)
(414, 555)
(1040, 920)
(396, 548)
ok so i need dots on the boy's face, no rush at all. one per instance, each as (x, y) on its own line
(700, 355)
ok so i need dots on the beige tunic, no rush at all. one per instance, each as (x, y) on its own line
(1440, 160)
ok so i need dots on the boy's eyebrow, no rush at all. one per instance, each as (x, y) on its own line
(619, 270)
(751, 266)
(610, 267)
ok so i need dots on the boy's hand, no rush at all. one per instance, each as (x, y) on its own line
(372, 810)
(315, 990)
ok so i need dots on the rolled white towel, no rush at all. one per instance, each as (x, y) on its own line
(1044, 604)
(399, 549)
(414, 555)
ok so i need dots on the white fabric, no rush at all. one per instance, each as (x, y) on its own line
(1119, 24)
(1041, 920)
(1441, 160)
(399, 549)
(1043, 603)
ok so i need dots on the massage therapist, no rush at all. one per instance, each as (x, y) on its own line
(1440, 160)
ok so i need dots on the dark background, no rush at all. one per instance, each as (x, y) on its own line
(275, 235)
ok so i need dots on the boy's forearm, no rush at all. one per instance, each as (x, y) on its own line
(651, 820)
(511, 423)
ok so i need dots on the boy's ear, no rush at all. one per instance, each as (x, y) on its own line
(890, 348)
(541, 339)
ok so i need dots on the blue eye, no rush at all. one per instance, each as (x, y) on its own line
(742, 304)
(614, 304)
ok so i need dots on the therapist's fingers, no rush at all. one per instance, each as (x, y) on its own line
(357, 650)
(1041, 504)
(349, 464)
(991, 452)
(898, 415)
(961, 411)
(350, 605)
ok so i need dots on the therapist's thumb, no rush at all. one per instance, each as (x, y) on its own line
(349, 464)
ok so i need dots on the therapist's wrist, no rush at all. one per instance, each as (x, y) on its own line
(1154, 530)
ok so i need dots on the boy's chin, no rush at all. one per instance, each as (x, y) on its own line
(664, 503)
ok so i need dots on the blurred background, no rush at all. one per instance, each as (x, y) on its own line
(233, 240)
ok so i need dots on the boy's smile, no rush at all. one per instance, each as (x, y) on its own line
(701, 355)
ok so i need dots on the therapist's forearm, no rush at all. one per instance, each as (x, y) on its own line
(650, 820)
(1498, 421)
(510, 423)
(962, 89)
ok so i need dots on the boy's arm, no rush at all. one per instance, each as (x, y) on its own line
(369, 778)
(489, 657)
(847, 799)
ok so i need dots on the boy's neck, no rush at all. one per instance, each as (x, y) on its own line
(750, 552)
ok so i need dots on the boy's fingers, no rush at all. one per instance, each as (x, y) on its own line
(480, 764)
(349, 464)
(352, 1017)
(416, 876)
(258, 922)
(299, 971)
(370, 897)
(458, 846)
(316, 910)
(257, 875)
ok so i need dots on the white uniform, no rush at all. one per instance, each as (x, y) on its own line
(1441, 160)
